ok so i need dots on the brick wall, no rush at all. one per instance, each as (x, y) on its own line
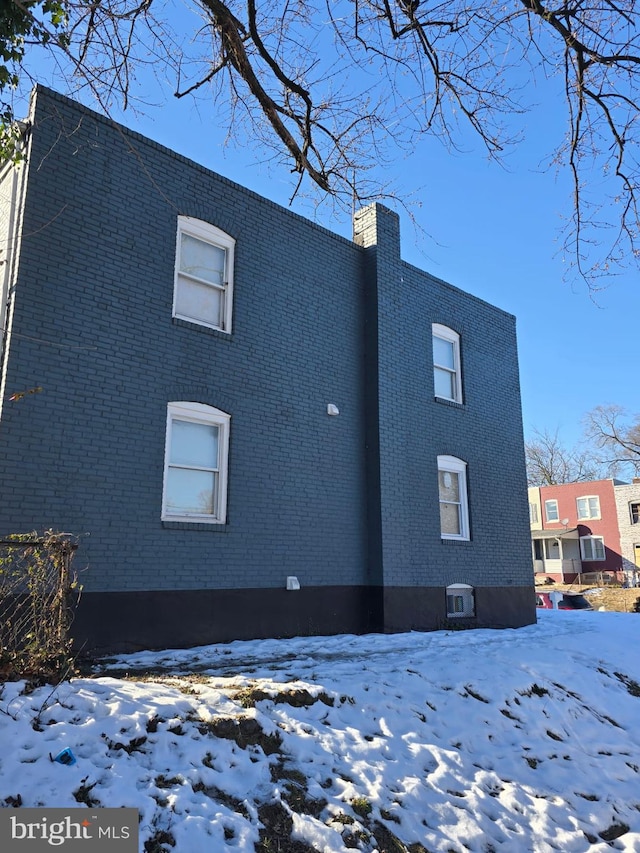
(629, 530)
(414, 427)
(338, 501)
(606, 525)
(94, 311)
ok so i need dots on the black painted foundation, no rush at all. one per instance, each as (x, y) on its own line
(112, 622)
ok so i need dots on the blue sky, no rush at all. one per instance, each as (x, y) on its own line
(491, 230)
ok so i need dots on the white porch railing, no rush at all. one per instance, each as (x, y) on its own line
(557, 567)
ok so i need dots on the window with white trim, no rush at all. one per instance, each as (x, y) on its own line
(588, 507)
(551, 510)
(203, 287)
(592, 548)
(460, 600)
(447, 377)
(533, 513)
(452, 491)
(196, 460)
(634, 512)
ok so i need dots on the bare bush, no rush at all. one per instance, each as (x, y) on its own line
(38, 595)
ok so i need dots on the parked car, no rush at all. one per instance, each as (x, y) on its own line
(566, 601)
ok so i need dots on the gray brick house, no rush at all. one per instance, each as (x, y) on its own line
(263, 429)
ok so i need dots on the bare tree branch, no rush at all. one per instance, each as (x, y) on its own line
(550, 463)
(333, 86)
(616, 435)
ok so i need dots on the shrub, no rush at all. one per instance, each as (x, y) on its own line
(38, 595)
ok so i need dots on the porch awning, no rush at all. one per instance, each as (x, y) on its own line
(572, 533)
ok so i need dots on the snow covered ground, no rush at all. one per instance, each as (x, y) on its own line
(482, 741)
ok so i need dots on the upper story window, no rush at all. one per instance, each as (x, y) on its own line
(634, 512)
(533, 513)
(203, 288)
(452, 490)
(447, 378)
(588, 507)
(592, 548)
(551, 510)
(196, 460)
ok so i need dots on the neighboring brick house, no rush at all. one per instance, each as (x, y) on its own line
(628, 510)
(263, 429)
(586, 528)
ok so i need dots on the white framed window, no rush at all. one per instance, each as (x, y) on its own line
(533, 513)
(452, 491)
(634, 512)
(592, 548)
(203, 289)
(196, 461)
(447, 379)
(551, 510)
(588, 507)
(460, 600)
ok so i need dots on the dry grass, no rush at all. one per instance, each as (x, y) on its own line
(615, 598)
(611, 597)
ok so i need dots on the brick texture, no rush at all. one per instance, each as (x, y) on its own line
(337, 501)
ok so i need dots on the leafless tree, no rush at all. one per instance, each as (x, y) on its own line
(333, 85)
(550, 463)
(616, 436)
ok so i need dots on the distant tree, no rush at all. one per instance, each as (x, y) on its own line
(616, 437)
(550, 463)
(330, 86)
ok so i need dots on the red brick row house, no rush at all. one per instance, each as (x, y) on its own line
(576, 530)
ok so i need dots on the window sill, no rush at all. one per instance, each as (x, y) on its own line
(457, 623)
(198, 327)
(452, 403)
(211, 527)
(447, 541)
